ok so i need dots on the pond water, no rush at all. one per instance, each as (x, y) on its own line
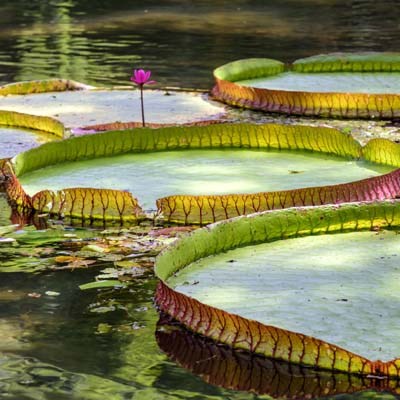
(85, 345)
(99, 42)
(67, 347)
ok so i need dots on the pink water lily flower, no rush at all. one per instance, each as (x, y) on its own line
(141, 77)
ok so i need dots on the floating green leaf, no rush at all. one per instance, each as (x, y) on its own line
(361, 85)
(47, 85)
(102, 284)
(114, 204)
(339, 288)
(249, 334)
(45, 124)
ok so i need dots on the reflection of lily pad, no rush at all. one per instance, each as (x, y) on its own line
(225, 367)
(249, 326)
(362, 85)
(5, 211)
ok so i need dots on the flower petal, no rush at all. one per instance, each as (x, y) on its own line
(142, 76)
(134, 80)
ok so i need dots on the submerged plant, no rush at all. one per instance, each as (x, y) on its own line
(141, 77)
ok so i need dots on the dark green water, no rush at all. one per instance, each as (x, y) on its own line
(81, 344)
(99, 42)
(65, 347)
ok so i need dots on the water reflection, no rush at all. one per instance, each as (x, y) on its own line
(85, 345)
(54, 46)
(5, 209)
(222, 366)
(99, 42)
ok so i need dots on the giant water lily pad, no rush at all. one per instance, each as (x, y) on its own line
(77, 109)
(152, 176)
(326, 287)
(362, 85)
(17, 140)
(288, 326)
(192, 179)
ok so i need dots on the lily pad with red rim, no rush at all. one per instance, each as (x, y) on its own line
(147, 162)
(266, 329)
(350, 85)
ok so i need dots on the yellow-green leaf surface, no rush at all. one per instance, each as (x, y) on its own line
(275, 327)
(351, 62)
(42, 86)
(382, 151)
(364, 85)
(343, 82)
(90, 203)
(268, 136)
(253, 68)
(38, 122)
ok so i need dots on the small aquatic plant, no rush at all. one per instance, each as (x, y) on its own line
(141, 77)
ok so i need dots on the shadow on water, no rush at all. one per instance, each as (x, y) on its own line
(225, 367)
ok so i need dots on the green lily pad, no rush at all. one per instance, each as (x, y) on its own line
(102, 284)
(27, 264)
(194, 181)
(195, 172)
(31, 237)
(77, 109)
(340, 288)
(334, 296)
(361, 85)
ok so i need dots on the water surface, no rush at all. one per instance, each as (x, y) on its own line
(68, 347)
(52, 348)
(99, 42)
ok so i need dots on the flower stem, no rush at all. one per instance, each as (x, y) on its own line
(141, 100)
